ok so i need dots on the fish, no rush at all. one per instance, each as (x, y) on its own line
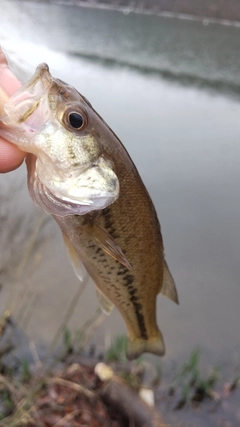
(81, 174)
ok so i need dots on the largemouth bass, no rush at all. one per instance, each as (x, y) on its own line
(79, 172)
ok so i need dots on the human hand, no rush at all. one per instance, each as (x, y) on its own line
(10, 155)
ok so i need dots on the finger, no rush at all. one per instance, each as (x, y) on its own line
(11, 157)
(8, 82)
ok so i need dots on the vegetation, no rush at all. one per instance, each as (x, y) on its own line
(117, 350)
(193, 386)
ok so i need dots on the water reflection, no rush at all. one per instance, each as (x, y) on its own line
(185, 143)
(176, 47)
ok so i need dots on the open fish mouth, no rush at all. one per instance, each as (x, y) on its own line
(68, 173)
(20, 116)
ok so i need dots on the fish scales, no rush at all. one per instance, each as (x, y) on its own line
(79, 172)
(132, 220)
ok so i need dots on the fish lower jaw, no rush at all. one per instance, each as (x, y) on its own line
(55, 203)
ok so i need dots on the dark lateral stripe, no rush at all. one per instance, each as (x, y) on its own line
(128, 280)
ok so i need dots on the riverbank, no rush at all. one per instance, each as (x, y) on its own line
(69, 388)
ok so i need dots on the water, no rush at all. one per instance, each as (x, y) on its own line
(161, 84)
(174, 47)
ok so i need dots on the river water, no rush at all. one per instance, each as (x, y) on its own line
(169, 89)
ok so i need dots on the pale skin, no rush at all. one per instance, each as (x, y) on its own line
(10, 155)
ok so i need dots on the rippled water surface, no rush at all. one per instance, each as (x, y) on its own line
(162, 85)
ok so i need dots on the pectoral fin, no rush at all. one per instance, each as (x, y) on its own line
(103, 239)
(75, 260)
(169, 287)
(105, 304)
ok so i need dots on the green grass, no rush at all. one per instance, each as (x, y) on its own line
(117, 350)
(25, 371)
(191, 385)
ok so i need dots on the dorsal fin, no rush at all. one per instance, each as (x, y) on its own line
(169, 288)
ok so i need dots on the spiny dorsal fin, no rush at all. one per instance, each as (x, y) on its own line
(105, 304)
(169, 287)
(75, 260)
(103, 239)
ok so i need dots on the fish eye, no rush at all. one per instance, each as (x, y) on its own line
(75, 119)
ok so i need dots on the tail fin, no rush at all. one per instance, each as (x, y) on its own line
(155, 345)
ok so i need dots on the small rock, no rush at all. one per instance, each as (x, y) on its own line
(147, 395)
(103, 371)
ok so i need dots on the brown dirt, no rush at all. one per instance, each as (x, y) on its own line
(74, 397)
